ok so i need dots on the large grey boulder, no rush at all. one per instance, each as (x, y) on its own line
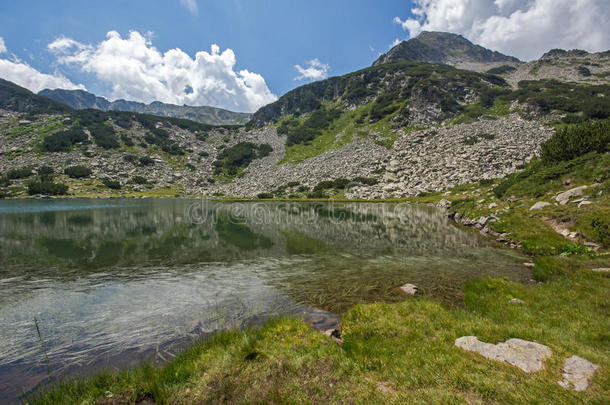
(576, 373)
(563, 198)
(539, 205)
(528, 356)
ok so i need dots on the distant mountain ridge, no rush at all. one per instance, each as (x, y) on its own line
(442, 47)
(80, 99)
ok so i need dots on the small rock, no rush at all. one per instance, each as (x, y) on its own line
(601, 270)
(334, 334)
(409, 289)
(576, 373)
(443, 204)
(592, 245)
(539, 205)
(529, 264)
(526, 355)
(516, 301)
(585, 202)
(492, 206)
(502, 237)
(563, 198)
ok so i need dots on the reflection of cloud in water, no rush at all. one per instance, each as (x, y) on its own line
(104, 316)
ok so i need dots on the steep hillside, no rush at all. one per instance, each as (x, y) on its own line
(80, 99)
(442, 47)
(400, 88)
(18, 99)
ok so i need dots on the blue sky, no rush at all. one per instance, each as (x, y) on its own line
(242, 54)
(267, 37)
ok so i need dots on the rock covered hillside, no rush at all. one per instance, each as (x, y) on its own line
(391, 130)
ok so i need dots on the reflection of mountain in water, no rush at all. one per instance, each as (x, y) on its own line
(127, 233)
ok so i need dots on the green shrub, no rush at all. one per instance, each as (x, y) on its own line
(127, 140)
(104, 136)
(240, 155)
(486, 182)
(64, 140)
(4, 181)
(204, 154)
(384, 105)
(500, 70)
(130, 158)
(572, 249)
(311, 127)
(317, 194)
(113, 184)
(264, 196)
(573, 141)
(601, 227)
(146, 161)
(77, 172)
(139, 180)
(19, 173)
(487, 136)
(324, 185)
(124, 123)
(341, 183)
(573, 119)
(369, 181)
(264, 150)
(160, 137)
(583, 71)
(45, 173)
(47, 187)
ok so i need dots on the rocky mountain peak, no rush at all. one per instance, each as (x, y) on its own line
(441, 47)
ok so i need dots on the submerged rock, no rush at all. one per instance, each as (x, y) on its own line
(526, 355)
(576, 373)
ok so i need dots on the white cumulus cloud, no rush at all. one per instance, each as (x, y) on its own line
(22, 74)
(315, 70)
(136, 70)
(190, 5)
(523, 28)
